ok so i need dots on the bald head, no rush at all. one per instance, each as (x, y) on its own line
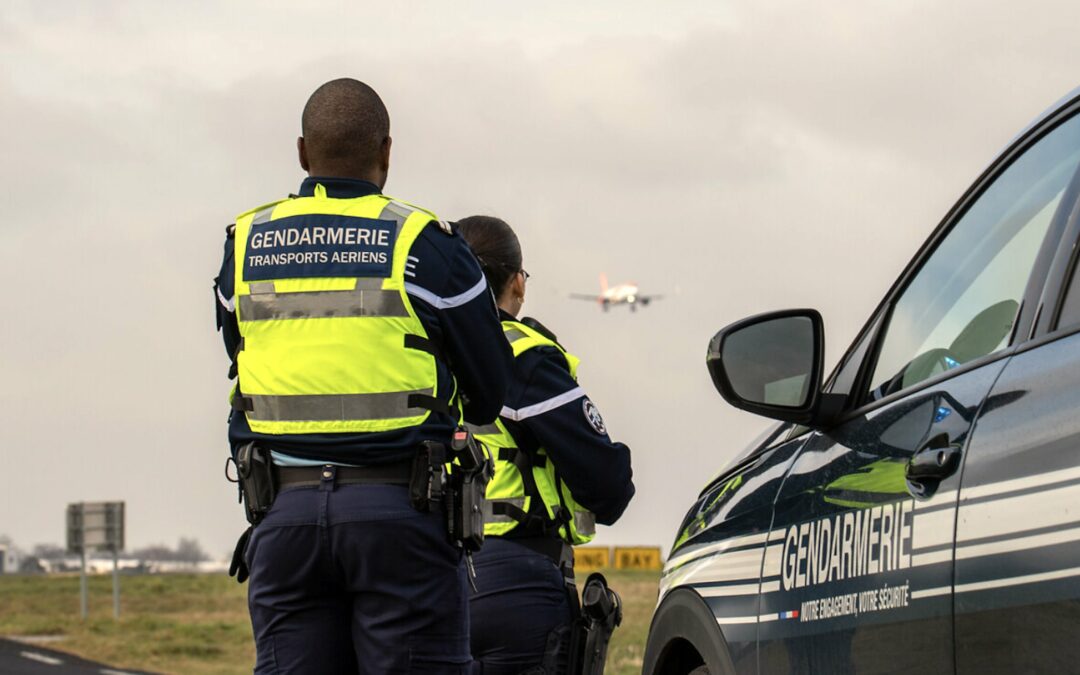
(346, 132)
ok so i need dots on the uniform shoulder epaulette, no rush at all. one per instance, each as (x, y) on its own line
(446, 226)
(539, 328)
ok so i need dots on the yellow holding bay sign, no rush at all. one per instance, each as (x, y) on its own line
(638, 558)
(588, 558)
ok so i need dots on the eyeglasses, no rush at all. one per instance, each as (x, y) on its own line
(524, 274)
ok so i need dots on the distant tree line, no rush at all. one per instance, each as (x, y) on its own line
(188, 550)
(43, 557)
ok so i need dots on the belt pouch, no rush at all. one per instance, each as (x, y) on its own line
(428, 476)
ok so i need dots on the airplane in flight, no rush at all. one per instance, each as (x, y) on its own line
(620, 294)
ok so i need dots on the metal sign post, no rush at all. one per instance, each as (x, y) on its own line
(116, 584)
(96, 526)
(82, 586)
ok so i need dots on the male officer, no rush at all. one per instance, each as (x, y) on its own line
(353, 321)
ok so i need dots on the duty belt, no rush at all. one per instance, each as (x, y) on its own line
(385, 474)
(560, 553)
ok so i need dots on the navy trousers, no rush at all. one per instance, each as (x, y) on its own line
(520, 601)
(352, 579)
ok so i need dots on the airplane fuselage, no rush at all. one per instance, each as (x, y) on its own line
(623, 293)
(619, 294)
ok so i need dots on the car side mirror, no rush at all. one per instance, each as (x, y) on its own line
(771, 364)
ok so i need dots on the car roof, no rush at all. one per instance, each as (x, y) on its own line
(1061, 103)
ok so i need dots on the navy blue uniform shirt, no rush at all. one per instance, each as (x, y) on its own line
(456, 308)
(546, 408)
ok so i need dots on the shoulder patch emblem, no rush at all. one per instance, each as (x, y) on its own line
(592, 416)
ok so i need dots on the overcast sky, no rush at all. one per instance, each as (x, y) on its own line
(737, 157)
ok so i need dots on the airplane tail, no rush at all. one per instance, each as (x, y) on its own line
(603, 283)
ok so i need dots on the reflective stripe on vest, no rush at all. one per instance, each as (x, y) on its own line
(321, 304)
(323, 407)
(523, 338)
(513, 335)
(397, 212)
(585, 522)
(486, 430)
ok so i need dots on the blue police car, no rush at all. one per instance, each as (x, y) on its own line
(918, 509)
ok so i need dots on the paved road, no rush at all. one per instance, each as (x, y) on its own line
(17, 658)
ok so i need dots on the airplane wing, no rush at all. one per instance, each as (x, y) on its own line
(645, 299)
(585, 296)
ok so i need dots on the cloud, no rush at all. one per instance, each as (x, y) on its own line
(737, 158)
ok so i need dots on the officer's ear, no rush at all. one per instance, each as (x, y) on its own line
(302, 152)
(384, 155)
(517, 287)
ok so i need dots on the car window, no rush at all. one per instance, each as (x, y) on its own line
(843, 381)
(962, 303)
(1070, 309)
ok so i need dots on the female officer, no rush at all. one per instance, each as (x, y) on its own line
(557, 474)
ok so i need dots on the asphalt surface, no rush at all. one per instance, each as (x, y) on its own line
(17, 658)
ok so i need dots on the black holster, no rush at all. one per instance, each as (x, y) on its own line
(258, 484)
(466, 489)
(460, 489)
(597, 615)
(258, 489)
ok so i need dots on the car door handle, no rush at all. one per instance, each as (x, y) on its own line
(935, 460)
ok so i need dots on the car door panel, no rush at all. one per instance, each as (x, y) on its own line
(1018, 529)
(865, 568)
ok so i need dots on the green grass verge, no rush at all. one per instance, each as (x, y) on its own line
(638, 592)
(171, 624)
(198, 624)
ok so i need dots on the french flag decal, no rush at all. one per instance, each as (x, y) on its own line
(794, 614)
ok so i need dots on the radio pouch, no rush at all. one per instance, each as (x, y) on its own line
(428, 479)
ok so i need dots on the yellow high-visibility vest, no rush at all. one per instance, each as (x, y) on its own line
(520, 479)
(330, 340)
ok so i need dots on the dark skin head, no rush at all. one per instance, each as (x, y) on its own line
(346, 133)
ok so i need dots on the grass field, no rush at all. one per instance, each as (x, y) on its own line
(198, 624)
(638, 592)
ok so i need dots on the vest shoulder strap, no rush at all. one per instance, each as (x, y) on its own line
(263, 207)
(523, 337)
(540, 328)
(410, 206)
